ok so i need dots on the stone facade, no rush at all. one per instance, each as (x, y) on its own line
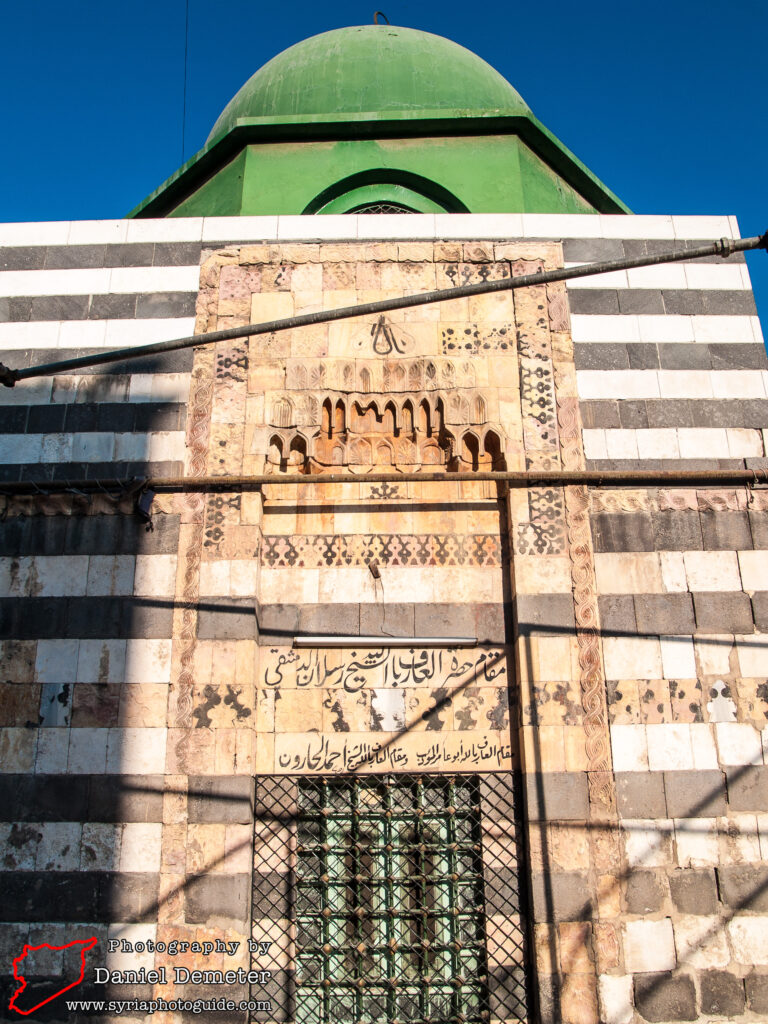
(620, 674)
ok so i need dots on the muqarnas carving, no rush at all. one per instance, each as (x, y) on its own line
(317, 431)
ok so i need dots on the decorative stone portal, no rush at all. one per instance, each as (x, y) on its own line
(485, 382)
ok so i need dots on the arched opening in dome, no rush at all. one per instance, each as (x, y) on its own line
(383, 190)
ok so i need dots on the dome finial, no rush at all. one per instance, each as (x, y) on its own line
(376, 17)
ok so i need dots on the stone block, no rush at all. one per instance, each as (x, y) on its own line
(227, 618)
(682, 356)
(694, 892)
(744, 887)
(648, 844)
(760, 610)
(640, 795)
(330, 619)
(747, 787)
(632, 657)
(666, 614)
(666, 412)
(212, 898)
(644, 355)
(599, 414)
(633, 415)
(676, 531)
(615, 531)
(214, 799)
(593, 301)
(739, 743)
(628, 572)
(757, 992)
(606, 356)
(712, 571)
(544, 614)
(694, 794)
(725, 531)
(749, 939)
(617, 614)
(493, 622)
(396, 618)
(557, 796)
(615, 999)
(277, 624)
(677, 657)
(644, 892)
(649, 946)
(549, 999)
(593, 250)
(758, 522)
(722, 994)
(726, 612)
(129, 896)
(561, 896)
(125, 798)
(662, 997)
(435, 619)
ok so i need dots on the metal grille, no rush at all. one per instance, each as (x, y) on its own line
(389, 899)
(382, 208)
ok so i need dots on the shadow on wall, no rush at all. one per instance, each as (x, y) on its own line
(85, 673)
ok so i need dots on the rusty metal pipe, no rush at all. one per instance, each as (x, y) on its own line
(723, 247)
(512, 478)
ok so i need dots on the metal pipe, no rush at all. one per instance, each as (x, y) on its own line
(512, 478)
(723, 247)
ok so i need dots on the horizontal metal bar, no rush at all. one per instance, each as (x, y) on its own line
(722, 247)
(516, 479)
(384, 641)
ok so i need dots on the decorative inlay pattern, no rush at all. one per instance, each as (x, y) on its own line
(544, 533)
(588, 638)
(473, 273)
(475, 338)
(678, 500)
(557, 307)
(619, 501)
(538, 405)
(593, 696)
(201, 398)
(312, 552)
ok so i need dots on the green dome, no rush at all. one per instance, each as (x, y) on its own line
(374, 69)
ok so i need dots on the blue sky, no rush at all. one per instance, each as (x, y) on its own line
(665, 102)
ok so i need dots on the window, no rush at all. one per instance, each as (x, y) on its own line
(389, 898)
(398, 899)
(382, 208)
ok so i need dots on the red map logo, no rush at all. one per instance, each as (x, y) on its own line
(84, 944)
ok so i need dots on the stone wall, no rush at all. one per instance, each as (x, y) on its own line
(620, 670)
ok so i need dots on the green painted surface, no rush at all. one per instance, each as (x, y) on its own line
(370, 68)
(221, 196)
(380, 109)
(482, 174)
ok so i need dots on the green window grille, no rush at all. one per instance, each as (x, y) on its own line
(397, 897)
